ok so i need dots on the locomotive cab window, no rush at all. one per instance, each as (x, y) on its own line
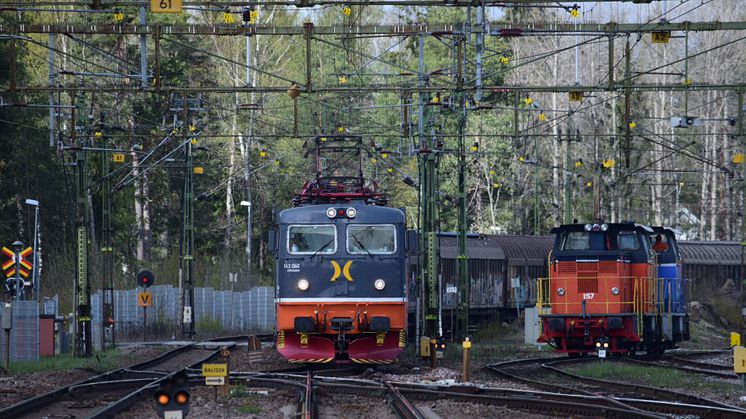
(312, 239)
(627, 240)
(373, 239)
(661, 243)
(576, 240)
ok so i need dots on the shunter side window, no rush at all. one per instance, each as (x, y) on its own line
(627, 240)
(576, 240)
(310, 239)
(373, 239)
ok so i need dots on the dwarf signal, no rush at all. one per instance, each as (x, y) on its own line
(172, 398)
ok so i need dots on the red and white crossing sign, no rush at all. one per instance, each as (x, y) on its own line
(25, 262)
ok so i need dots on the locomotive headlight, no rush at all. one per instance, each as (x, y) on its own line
(380, 284)
(588, 227)
(303, 284)
(604, 227)
(351, 212)
(598, 344)
(560, 291)
(606, 344)
(331, 212)
(615, 291)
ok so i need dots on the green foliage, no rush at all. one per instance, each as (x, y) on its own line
(235, 129)
(209, 326)
(239, 391)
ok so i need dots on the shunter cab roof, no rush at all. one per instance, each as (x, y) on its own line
(603, 241)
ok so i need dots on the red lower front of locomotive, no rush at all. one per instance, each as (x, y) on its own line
(365, 332)
(575, 334)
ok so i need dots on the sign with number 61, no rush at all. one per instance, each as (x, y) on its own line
(166, 6)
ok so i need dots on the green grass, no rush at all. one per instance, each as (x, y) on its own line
(239, 391)
(655, 377)
(497, 332)
(99, 362)
(247, 409)
(208, 325)
(487, 352)
(249, 406)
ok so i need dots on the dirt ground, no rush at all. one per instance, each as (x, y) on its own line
(15, 387)
(243, 402)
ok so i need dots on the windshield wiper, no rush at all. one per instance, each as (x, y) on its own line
(323, 247)
(362, 246)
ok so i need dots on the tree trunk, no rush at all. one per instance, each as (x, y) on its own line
(147, 234)
(703, 193)
(658, 156)
(140, 249)
(228, 237)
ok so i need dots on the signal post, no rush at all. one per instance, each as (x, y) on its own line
(145, 299)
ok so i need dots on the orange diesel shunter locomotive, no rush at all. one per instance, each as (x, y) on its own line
(600, 293)
(340, 281)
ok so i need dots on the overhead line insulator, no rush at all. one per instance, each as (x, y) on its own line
(511, 32)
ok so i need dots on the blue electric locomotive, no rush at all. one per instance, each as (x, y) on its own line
(341, 266)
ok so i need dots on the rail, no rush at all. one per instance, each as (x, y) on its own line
(670, 395)
(401, 406)
(121, 378)
(667, 401)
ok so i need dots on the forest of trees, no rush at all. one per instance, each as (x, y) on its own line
(684, 178)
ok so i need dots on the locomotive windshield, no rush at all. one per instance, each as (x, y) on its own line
(576, 240)
(627, 240)
(599, 240)
(371, 239)
(309, 239)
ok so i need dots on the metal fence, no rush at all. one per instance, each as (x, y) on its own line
(253, 310)
(24, 337)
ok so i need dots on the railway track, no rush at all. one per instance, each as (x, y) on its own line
(112, 392)
(686, 359)
(615, 394)
(403, 408)
(399, 395)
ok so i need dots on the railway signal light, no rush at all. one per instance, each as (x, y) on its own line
(172, 398)
(249, 15)
(685, 122)
(602, 345)
(145, 279)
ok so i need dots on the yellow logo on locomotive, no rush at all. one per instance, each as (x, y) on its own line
(341, 271)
